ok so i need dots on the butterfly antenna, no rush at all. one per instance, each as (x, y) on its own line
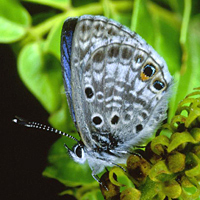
(36, 125)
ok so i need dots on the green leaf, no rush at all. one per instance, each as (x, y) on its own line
(60, 4)
(120, 11)
(166, 37)
(39, 18)
(41, 73)
(53, 40)
(64, 169)
(14, 20)
(79, 3)
(15, 12)
(10, 31)
(142, 21)
(177, 6)
(61, 119)
(92, 195)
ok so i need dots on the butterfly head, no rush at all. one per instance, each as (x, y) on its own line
(77, 153)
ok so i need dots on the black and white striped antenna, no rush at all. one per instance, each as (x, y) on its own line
(36, 125)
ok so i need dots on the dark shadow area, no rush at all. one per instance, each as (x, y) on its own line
(24, 151)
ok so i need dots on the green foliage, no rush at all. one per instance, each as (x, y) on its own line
(41, 74)
(172, 27)
(14, 20)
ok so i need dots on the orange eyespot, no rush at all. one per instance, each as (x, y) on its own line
(147, 72)
(144, 77)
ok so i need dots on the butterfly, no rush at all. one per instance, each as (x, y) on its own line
(117, 89)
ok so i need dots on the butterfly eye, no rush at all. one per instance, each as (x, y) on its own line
(158, 85)
(148, 71)
(78, 151)
(78, 154)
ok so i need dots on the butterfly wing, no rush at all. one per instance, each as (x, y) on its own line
(113, 92)
(66, 49)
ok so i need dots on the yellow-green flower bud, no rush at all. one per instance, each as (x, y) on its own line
(195, 132)
(176, 161)
(152, 157)
(130, 194)
(138, 167)
(171, 189)
(109, 190)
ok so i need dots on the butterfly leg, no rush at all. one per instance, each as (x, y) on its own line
(98, 180)
(106, 169)
(136, 153)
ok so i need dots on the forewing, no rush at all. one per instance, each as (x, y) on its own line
(66, 49)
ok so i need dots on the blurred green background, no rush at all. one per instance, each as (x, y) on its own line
(31, 30)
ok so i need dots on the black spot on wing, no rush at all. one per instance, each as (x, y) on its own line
(97, 120)
(139, 127)
(89, 93)
(115, 119)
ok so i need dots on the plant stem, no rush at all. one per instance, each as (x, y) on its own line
(185, 22)
(183, 33)
(135, 14)
(40, 30)
(45, 26)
